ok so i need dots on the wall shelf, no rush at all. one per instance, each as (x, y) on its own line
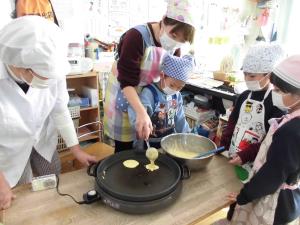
(88, 115)
(89, 108)
(76, 76)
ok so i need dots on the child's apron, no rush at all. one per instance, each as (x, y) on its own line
(262, 211)
(164, 113)
(249, 129)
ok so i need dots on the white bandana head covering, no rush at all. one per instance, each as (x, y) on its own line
(262, 58)
(182, 11)
(33, 42)
(289, 70)
(179, 68)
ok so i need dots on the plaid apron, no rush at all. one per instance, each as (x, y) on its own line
(116, 121)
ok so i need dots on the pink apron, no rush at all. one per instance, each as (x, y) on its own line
(262, 211)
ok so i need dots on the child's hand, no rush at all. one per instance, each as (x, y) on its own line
(236, 160)
(232, 196)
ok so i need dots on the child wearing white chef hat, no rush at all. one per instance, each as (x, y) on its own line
(248, 122)
(272, 195)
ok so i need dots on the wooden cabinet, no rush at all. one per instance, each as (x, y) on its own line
(90, 114)
(89, 127)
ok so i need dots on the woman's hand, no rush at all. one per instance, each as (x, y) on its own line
(232, 196)
(6, 195)
(143, 126)
(236, 160)
(82, 156)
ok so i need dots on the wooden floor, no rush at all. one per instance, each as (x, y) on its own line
(219, 215)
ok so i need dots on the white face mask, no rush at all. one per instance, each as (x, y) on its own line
(156, 79)
(254, 85)
(278, 101)
(39, 83)
(35, 83)
(167, 90)
(168, 43)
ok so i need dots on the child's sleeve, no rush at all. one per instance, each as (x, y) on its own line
(181, 125)
(147, 100)
(249, 154)
(228, 132)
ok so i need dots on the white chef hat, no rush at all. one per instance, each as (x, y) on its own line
(262, 58)
(182, 11)
(36, 43)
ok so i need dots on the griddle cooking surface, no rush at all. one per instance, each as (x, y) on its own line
(137, 184)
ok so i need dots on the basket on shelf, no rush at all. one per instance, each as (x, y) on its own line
(74, 111)
(61, 146)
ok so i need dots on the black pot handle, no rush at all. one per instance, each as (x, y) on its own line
(92, 169)
(186, 172)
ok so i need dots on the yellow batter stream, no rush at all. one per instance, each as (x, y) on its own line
(152, 155)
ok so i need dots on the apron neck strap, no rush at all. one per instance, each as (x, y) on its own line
(265, 96)
(268, 92)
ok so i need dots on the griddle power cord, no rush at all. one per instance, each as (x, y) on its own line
(63, 194)
(88, 198)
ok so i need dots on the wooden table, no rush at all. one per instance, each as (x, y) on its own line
(203, 194)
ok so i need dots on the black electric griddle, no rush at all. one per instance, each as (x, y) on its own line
(137, 190)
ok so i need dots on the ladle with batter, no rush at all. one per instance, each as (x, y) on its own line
(152, 155)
